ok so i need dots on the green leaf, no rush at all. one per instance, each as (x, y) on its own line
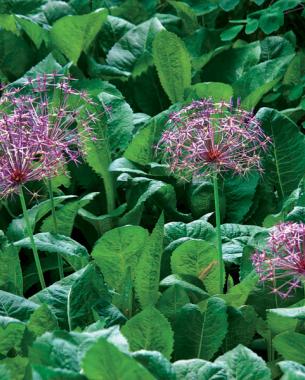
(260, 79)
(45, 373)
(66, 215)
(292, 370)
(252, 25)
(7, 22)
(286, 164)
(173, 64)
(36, 33)
(238, 294)
(117, 251)
(112, 30)
(67, 305)
(132, 53)
(16, 307)
(74, 34)
(148, 268)
(172, 300)
(230, 33)
(215, 90)
(41, 321)
(105, 362)
(285, 319)
(17, 228)
(271, 20)
(200, 335)
(17, 367)
(198, 258)
(149, 330)
(187, 15)
(189, 369)
(10, 269)
(291, 346)
(241, 364)
(241, 326)
(156, 363)
(87, 291)
(75, 253)
(11, 334)
(228, 5)
(239, 194)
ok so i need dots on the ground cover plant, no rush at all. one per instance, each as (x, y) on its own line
(152, 163)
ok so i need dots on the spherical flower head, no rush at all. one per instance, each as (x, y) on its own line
(207, 138)
(282, 263)
(43, 124)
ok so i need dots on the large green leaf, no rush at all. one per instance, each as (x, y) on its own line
(66, 215)
(260, 79)
(173, 64)
(75, 253)
(149, 330)
(17, 229)
(132, 53)
(148, 268)
(156, 363)
(74, 34)
(116, 252)
(16, 307)
(172, 300)
(215, 90)
(11, 334)
(241, 364)
(200, 335)
(292, 370)
(285, 319)
(291, 346)
(87, 291)
(285, 166)
(10, 269)
(198, 258)
(105, 362)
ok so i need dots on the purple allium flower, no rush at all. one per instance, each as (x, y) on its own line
(38, 127)
(207, 138)
(282, 263)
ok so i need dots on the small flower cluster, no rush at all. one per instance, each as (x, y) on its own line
(38, 129)
(207, 138)
(282, 263)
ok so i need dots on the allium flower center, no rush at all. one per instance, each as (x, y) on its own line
(18, 176)
(212, 155)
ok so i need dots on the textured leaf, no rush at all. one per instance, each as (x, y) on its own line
(74, 34)
(286, 165)
(16, 307)
(17, 228)
(173, 65)
(156, 363)
(216, 91)
(149, 330)
(66, 215)
(292, 370)
(11, 334)
(200, 335)
(172, 300)
(285, 319)
(88, 291)
(259, 80)
(198, 258)
(41, 321)
(105, 362)
(10, 269)
(243, 364)
(118, 251)
(75, 254)
(148, 268)
(291, 346)
(132, 53)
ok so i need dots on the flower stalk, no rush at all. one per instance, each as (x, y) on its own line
(55, 225)
(218, 233)
(31, 237)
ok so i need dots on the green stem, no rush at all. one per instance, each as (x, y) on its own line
(218, 233)
(30, 233)
(59, 258)
(109, 190)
